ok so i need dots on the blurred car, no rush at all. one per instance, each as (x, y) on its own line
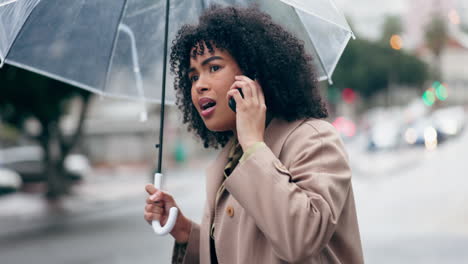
(382, 126)
(10, 181)
(423, 131)
(384, 135)
(27, 161)
(436, 128)
(449, 121)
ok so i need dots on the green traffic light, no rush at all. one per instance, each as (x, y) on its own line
(441, 92)
(428, 98)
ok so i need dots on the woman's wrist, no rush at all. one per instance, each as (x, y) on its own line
(251, 145)
(182, 233)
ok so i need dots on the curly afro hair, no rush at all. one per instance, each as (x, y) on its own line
(263, 50)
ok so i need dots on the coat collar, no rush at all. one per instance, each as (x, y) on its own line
(275, 134)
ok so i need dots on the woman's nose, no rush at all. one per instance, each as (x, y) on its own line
(201, 90)
(202, 86)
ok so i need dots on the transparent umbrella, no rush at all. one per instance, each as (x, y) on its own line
(118, 48)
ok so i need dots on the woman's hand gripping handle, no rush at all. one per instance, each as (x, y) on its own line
(173, 212)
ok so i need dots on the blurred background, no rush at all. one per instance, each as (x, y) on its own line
(73, 165)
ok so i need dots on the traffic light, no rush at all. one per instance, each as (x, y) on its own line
(348, 95)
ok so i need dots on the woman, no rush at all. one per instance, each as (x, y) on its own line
(280, 190)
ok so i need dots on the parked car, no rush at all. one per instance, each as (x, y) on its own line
(10, 181)
(423, 131)
(27, 161)
(449, 121)
(436, 128)
(384, 135)
(383, 128)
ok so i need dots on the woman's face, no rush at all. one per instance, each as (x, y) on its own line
(212, 74)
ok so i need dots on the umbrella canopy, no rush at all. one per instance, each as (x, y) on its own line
(115, 47)
(119, 47)
(110, 47)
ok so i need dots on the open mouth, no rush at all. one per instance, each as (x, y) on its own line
(208, 105)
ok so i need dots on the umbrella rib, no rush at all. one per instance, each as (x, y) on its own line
(341, 13)
(341, 50)
(82, 85)
(7, 2)
(313, 46)
(318, 16)
(3, 58)
(114, 44)
(136, 67)
(143, 10)
(54, 76)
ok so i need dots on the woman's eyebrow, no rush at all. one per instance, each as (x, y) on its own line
(207, 61)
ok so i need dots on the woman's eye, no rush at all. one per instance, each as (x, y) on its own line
(194, 78)
(214, 68)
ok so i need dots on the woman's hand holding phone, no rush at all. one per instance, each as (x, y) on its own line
(250, 110)
(232, 102)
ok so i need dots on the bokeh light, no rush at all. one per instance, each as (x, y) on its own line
(430, 138)
(450, 127)
(440, 91)
(345, 126)
(411, 136)
(396, 42)
(428, 97)
(348, 95)
(454, 17)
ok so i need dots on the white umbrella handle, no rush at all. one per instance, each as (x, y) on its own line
(173, 212)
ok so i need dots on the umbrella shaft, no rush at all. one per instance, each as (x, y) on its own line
(163, 90)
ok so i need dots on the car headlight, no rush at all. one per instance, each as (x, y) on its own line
(411, 136)
(430, 138)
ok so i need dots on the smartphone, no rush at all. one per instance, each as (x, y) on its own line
(232, 102)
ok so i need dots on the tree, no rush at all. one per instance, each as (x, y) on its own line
(366, 67)
(391, 26)
(27, 95)
(436, 38)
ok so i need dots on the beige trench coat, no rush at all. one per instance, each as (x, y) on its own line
(289, 202)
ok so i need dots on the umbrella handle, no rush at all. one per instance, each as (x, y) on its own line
(173, 212)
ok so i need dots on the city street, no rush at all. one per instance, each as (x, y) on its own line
(412, 208)
(103, 230)
(88, 86)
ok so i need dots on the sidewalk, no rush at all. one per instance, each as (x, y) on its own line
(102, 190)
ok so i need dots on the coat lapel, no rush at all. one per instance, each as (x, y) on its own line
(214, 174)
(276, 133)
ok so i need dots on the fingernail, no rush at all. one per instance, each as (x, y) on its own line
(154, 196)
